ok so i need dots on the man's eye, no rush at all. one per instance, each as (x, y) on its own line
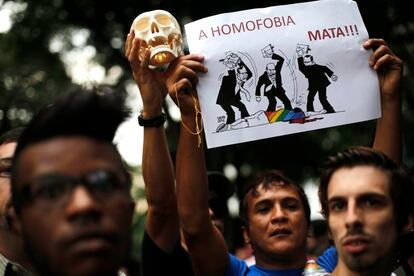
(103, 181)
(48, 192)
(372, 202)
(50, 187)
(292, 206)
(262, 210)
(101, 186)
(337, 206)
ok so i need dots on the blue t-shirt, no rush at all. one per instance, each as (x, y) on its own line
(328, 259)
(239, 268)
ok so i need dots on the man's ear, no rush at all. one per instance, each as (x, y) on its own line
(246, 236)
(12, 220)
(409, 226)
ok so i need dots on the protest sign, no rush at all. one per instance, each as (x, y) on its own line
(283, 69)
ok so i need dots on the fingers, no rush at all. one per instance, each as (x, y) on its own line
(374, 43)
(194, 66)
(183, 95)
(388, 61)
(145, 56)
(185, 72)
(377, 54)
(133, 54)
(128, 44)
(183, 86)
(185, 67)
(192, 61)
(137, 56)
(133, 49)
(182, 80)
(379, 47)
(382, 55)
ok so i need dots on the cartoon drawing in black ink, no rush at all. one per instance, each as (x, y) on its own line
(240, 77)
(232, 86)
(317, 76)
(270, 82)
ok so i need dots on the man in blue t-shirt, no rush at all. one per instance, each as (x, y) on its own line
(275, 209)
(276, 214)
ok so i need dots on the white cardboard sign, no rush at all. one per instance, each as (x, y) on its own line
(282, 70)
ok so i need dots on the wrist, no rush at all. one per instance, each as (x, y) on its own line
(151, 110)
(388, 101)
(147, 120)
(148, 114)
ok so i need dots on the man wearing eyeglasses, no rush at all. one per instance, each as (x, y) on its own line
(70, 188)
(13, 259)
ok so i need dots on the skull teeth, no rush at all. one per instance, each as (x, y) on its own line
(161, 46)
(157, 40)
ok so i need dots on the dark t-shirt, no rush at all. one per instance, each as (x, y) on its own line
(156, 262)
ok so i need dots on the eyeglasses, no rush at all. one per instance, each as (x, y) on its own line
(55, 189)
(5, 167)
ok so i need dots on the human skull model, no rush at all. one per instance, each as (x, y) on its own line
(159, 31)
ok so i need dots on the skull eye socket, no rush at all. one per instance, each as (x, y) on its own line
(142, 24)
(163, 19)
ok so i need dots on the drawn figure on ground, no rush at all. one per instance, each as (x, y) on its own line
(318, 80)
(232, 86)
(270, 82)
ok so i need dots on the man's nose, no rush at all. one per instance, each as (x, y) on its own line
(278, 214)
(81, 203)
(353, 216)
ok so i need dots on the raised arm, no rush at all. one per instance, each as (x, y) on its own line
(162, 219)
(280, 60)
(205, 243)
(301, 65)
(389, 69)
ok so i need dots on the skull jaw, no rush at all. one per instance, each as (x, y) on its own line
(161, 56)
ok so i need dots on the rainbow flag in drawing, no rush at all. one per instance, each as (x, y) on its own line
(283, 115)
